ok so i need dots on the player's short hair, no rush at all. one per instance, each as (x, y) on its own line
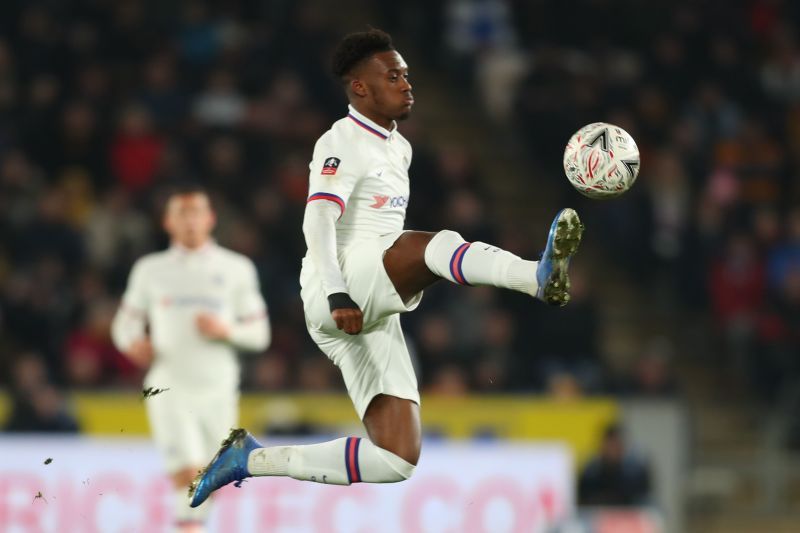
(180, 188)
(357, 47)
(184, 188)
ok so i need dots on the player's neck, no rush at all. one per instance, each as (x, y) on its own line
(187, 248)
(384, 122)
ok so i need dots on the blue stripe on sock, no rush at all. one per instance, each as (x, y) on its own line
(346, 459)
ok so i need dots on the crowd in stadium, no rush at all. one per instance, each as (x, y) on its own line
(104, 105)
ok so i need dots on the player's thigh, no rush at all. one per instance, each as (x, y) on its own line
(176, 431)
(405, 265)
(374, 362)
(370, 284)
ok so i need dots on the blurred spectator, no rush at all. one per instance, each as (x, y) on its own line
(136, 150)
(116, 231)
(318, 374)
(474, 25)
(90, 357)
(773, 364)
(79, 145)
(566, 354)
(36, 405)
(652, 375)
(780, 75)
(49, 235)
(269, 373)
(784, 258)
(220, 104)
(615, 477)
(448, 380)
(435, 345)
(161, 94)
(737, 294)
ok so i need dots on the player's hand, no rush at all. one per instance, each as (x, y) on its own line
(346, 313)
(349, 320)
(212, 327)
(141, 352)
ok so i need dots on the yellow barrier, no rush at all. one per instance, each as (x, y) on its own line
(579, 423)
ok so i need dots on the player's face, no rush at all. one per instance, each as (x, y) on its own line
(386, 77)
(189, 219)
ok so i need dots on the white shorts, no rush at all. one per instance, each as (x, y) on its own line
(376, 361)
(189, 428)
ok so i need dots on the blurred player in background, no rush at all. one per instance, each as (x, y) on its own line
(185, 313)
(362, 270)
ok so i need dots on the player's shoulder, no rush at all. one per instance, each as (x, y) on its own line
(340, 135)
(149, 265)
(233, 260)
(151, 260)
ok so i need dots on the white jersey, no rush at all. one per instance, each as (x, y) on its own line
(363, 168)
(358, 189)
(167, 290)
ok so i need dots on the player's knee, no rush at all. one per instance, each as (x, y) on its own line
(406, 449)
(401, 469)
(411, 452)
(447, 237)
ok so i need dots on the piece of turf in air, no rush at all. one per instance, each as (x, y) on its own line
(48, 460)
(149, 392)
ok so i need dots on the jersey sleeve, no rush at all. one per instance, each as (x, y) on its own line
(130, 322)
(334, 171)
(319, 229)
(251, 331)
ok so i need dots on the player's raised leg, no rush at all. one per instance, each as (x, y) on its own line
(392, 423)
(417, 259)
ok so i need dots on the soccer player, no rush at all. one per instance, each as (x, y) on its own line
(362, 270)
(184, 315)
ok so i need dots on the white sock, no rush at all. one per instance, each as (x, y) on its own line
(449, 256)
(337, 462)
(187, 518)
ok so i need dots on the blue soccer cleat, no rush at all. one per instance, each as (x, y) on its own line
(562, 243)
(229, 465)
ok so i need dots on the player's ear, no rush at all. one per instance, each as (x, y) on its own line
(165, 222)
(358, 87)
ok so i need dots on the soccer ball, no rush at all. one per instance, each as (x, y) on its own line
(601, 160)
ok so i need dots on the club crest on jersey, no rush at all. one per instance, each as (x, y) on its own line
(330, 166)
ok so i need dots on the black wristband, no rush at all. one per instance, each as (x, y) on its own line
(341, 300)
